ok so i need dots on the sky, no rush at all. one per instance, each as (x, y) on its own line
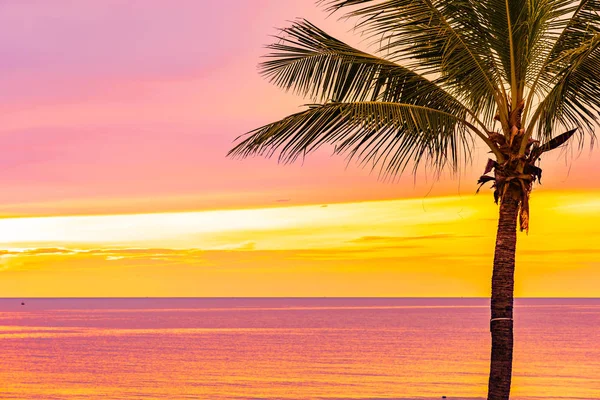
(116, 119)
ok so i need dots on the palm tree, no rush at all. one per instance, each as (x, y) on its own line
(444, 74)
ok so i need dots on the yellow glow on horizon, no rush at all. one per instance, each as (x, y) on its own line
(411, 247)
(193, 229)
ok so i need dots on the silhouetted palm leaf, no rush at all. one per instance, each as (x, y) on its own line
(312, 63)
(552, 144)
(385, 134)
(443, 38)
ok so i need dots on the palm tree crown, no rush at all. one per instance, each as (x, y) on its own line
(511, 73)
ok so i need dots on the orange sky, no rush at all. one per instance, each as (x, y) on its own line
(413, 247)
(131, 124)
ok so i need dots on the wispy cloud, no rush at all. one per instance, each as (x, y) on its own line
(401, 239)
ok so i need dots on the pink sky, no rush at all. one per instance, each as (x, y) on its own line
(121, 106)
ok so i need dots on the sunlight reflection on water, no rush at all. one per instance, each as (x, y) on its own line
(290, 348)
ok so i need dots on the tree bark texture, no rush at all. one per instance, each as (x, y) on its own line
(501, 322)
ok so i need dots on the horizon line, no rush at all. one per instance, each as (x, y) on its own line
(283, 297)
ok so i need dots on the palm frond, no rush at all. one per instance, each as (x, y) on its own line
(582, 26)
(312, 63)
(520, 35)
(574, 24)
(382, 134)
(574, 100)
(444, 38)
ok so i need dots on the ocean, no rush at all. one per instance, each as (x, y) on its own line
(279, 348)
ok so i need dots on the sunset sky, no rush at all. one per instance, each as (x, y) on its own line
(116, 119)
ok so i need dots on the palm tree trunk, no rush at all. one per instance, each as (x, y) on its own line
(501, 323)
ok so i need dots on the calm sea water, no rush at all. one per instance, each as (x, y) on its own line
(290, 349)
